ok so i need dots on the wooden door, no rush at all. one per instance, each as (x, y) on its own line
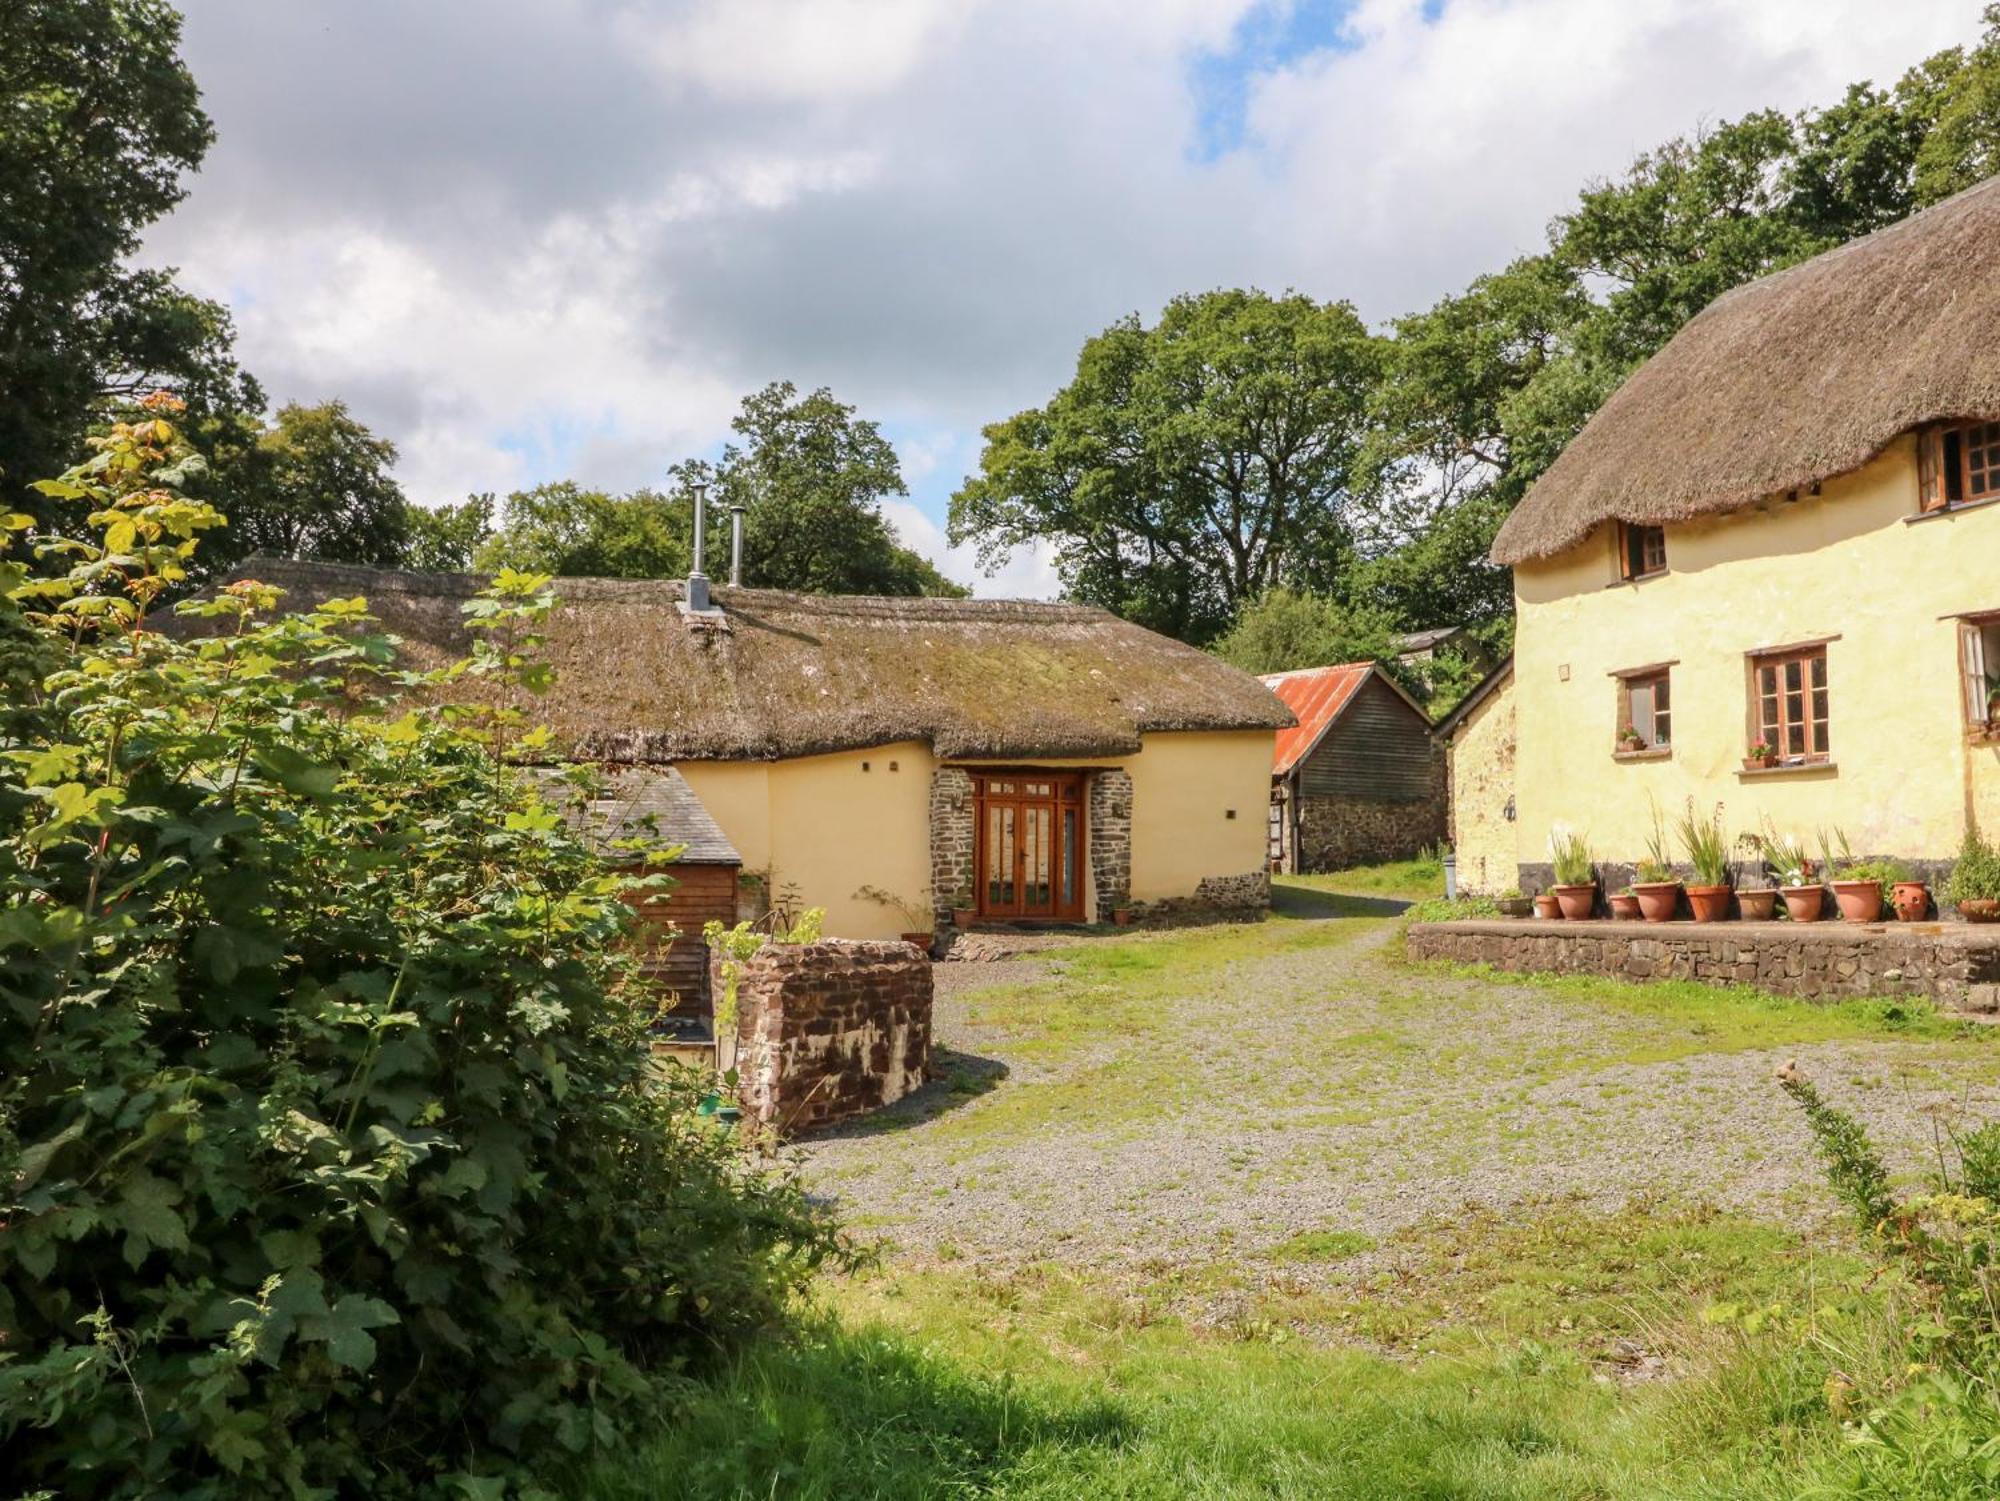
(1029, 854)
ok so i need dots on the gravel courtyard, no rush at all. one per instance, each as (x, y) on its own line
(1137, 1103)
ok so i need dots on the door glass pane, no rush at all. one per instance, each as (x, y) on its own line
(1069, 859)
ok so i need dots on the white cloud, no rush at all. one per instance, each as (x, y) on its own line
(535, 238)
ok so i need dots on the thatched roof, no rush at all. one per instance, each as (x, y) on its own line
(1788, 381)
(802, 674)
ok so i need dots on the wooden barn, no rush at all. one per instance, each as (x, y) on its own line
(1360, 779)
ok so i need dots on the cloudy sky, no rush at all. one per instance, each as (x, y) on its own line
(535, 239)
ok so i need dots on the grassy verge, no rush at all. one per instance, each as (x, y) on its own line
(1564, 1357)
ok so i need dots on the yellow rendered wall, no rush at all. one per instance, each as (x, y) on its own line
(1185, 784)
(827, 827)
(1482, 781)
(1846, 564)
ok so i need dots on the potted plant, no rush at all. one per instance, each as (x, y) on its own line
(1121, 917)
(1653, 882)
(1974, 887)
(920, 932)
(1708, 852)
(1629, 740)
(1912, 900)
(1576, 875)
(1861, 887)
(1760, 753)
(1798, 883)
(1512, 904)
(1546, 904)
(1624, 905)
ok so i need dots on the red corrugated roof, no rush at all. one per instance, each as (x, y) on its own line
(1314, 695)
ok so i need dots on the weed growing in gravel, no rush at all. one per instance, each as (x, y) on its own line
(1322, 1245)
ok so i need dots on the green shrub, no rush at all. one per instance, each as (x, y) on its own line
(329, 1157)
(1976, 875)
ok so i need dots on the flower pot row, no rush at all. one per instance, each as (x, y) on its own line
(1659, 901)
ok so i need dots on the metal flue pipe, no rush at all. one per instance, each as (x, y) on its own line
(736, 547)
(697, 584)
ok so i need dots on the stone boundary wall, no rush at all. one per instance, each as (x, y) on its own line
(828, 1031)
(1337, 832)
(1957, 966)
(1244, 898)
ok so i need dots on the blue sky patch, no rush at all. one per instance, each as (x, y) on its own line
(1273, 34)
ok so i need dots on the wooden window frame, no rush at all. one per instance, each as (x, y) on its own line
(1655, 744)
(1815, 741)
(1638, 556)
(1958, 464)
(1976, 663)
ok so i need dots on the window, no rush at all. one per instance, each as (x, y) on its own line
(1958, 464)
(1645, 712)
(1790, 703)
(1642, 551)
(1979, 655)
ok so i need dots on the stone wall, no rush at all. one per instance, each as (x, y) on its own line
(1337, 832)
(1483, 833)
(828, 1031)
(1244, 898)
(951, 843)
(1109, 831)
(1957, 966)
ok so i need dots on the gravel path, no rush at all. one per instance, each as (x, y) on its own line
(1278, 1080)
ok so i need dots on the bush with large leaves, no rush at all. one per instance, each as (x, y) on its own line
(329, 1163)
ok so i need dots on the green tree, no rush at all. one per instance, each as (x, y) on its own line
(1286, 629)
(316, 483)
(99, 124)
(566, 530)
(811, 477)
(447, 539)
(1190, 466)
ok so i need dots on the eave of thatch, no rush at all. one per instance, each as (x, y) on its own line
(1788, 381)
(800, 675)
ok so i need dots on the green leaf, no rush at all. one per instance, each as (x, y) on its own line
(147, 1215)
(344, 1329)
(297, 773)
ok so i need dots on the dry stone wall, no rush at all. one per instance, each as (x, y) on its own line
(1956, 966)
(1338, 832)
(828, 1031)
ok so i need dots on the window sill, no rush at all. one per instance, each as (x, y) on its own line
(1653, 753)
(1647, 578)
(1793, 769)
(1952, 510)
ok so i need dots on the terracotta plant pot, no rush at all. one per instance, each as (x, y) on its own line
(1913, 901)
(1658, 900)
(1802, 903)
(1757, 906)
(1576, 902)
(1860, 901)
(1121, 917)
(1546, 905)
(964, 917)
(1624, 906)
(1709, 903)
(918, 941)
(1979, 909)
(1515, 906)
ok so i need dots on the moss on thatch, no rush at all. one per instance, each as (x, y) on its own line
(1788, 381)
(801, 674)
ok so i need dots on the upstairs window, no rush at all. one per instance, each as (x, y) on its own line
(1789, 702)
(1979, 656)
(1642, 551)
(1645, 712)
(1958, 464)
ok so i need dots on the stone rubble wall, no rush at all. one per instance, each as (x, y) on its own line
(828, 1031)
(1957, 967)
(1109, 832)
(1244, 898)
(1338, 832)
(951, 844)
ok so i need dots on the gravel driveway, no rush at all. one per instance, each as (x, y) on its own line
(1162, 1100)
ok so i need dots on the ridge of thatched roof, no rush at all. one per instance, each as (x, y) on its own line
(802, 674)
(1787, 381)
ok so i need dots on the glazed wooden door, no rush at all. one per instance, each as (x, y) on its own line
(1030, 847)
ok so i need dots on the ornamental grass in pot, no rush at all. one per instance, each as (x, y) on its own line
(1576, 875)
(1974, 887)
(1653, 883)
(1707, 849)
(1798, 882)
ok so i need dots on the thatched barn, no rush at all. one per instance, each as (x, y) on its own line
(1766, 574)
(898, 760)
(1360, 778)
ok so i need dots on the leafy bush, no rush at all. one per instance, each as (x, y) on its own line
(1976, 875)
(330, 1161)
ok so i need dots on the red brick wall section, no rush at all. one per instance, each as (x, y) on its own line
(828, 1031)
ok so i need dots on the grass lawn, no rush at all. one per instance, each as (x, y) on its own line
(1267, 1212)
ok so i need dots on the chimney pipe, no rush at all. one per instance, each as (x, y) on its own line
(736, 547)
(697, 584)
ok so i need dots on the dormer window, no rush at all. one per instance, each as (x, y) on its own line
(1958, 464)
(1642, 551)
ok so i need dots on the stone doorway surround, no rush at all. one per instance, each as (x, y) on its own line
(1107, 836)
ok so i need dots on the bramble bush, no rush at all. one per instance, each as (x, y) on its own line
(330, 1160)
